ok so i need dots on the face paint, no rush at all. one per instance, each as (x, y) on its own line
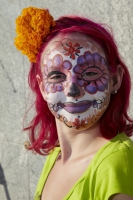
(76, 80)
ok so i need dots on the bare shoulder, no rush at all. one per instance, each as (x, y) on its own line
(120, 197)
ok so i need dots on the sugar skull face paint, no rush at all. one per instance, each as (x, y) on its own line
(76, 80)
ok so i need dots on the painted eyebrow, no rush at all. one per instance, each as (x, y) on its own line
(55, 72)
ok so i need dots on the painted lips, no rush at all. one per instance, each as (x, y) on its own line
(76, 107)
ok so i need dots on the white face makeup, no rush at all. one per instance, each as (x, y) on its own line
(75, 80)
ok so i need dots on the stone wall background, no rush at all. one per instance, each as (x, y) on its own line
(19, 169)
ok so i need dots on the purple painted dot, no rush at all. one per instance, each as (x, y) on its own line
(47, 88)
(59, 88)
(100, 85)
(96, 57)
(57, 60)
(88, 57)
(67, 65)
(91, 88)
(80, 83)
(81, 60)
(49, 63)
(77, 69)
(103, 62)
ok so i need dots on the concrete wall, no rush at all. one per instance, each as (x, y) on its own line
(19, 169)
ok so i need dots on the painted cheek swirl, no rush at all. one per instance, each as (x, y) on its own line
(93, 73)
(55, 78)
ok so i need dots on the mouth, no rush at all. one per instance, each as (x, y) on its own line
(76, 107)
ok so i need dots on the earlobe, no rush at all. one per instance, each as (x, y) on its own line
(117, 79)
(40, 84)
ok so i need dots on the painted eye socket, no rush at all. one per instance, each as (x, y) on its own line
(91, 74)
(56, 77)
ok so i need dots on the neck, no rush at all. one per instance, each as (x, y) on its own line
(75, 144)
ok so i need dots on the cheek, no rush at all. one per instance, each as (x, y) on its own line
(54, 97)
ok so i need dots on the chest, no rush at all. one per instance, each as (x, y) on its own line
(62, 179)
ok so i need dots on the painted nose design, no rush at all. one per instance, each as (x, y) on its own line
(73, 90)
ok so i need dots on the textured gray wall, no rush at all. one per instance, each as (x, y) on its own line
(19, 169)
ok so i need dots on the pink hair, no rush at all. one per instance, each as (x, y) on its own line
(114, 120)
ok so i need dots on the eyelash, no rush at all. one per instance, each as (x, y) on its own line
(58, 76)
(89, 73)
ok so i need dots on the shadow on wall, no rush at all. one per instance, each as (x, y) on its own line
(3, 182)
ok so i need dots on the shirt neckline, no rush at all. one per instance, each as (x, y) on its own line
(86, 170)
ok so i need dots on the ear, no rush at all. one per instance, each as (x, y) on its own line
(116, 79)
(40, 84)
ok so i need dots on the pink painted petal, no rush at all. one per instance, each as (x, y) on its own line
(106, 71)
(67, 65)
(53, 88)
(91, 88)
(100, 85)
(45, 70)
(49, 63)
(106, 76)
(104, 81)
(57, 60)
(77, 69)
(47, 88)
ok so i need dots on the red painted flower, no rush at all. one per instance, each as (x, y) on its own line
(76, 123)
(72, 50)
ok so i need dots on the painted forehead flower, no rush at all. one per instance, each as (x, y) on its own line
(93, 73)
(72, 50)
(57, 63)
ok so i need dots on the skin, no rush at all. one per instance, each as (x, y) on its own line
(78, 146)
(120, 197)
(76, 81)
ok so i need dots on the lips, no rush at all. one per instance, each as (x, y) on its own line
(76, 107)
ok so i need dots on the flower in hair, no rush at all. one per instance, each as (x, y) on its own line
(32, 27)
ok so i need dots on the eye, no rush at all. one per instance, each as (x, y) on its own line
(91, 73)
(56, 77)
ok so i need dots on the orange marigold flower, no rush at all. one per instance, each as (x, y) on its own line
(32, 26)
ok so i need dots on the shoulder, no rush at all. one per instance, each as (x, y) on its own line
(117, 157)
(119, 147)
(114, 173)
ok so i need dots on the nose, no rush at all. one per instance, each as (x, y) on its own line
(73, 90)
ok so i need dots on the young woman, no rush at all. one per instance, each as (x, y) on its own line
(82, 89)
